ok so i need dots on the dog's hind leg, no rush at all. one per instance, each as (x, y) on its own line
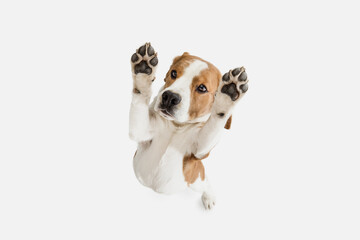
(203, 186)
(143, 66)
(194, 173)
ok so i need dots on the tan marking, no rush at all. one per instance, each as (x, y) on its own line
(193, 168)
(228, 123)
(201, 103)
(180, 63)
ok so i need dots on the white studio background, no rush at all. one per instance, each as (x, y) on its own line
(288, 168)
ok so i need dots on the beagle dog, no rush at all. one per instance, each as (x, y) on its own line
(184, 121)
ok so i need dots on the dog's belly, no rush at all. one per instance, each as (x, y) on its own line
(162, 173)
(159, 164)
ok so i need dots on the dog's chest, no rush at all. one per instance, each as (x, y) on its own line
(158, 164)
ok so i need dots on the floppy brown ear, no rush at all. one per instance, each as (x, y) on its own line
(228, 123)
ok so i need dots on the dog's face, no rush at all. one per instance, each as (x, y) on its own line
(189, 90)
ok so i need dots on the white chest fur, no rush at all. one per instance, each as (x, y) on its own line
(158, 163)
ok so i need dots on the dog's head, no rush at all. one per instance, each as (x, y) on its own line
(189, 90)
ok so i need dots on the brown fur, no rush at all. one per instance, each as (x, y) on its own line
(201, 103)
(228, 123)
(193, 168)
(179, 64)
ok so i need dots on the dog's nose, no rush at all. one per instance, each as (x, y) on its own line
(170, 99)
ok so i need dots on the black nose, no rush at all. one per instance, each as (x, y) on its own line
(170, 99)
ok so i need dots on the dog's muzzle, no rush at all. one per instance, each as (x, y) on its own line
(169, 101)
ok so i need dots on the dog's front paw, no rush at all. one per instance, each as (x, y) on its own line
(208, 201)
(143, 66)
(233, 85)
(144, 60)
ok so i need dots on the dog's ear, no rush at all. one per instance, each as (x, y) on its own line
(178, 57)
(228, 123)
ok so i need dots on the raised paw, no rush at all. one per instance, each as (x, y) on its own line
(208, 201)
(233, 86)
(234, 83)
(144, 60)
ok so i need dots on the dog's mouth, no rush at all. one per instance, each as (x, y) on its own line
(166, 114)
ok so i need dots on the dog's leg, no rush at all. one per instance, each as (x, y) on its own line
(233, 86)
(203, 186)
(143, 65)
(194, 173)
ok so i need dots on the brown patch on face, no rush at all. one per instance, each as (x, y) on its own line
(228, 123)
(193, 168)
(180, 63)
(201, 103)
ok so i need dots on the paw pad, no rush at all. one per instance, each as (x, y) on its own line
(230, 89)
(234, 83)
(144, 60)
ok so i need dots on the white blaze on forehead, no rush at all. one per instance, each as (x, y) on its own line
(182, 86)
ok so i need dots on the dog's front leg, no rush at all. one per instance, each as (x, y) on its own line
(232, 87)
(143, 65)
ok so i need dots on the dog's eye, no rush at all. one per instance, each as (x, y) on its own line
(201, 88)
(173, 74)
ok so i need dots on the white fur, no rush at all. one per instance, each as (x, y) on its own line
(162, 145)
(182, 87)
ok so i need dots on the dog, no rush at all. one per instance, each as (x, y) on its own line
(184, 121)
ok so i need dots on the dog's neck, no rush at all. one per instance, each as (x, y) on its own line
(180, 126)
